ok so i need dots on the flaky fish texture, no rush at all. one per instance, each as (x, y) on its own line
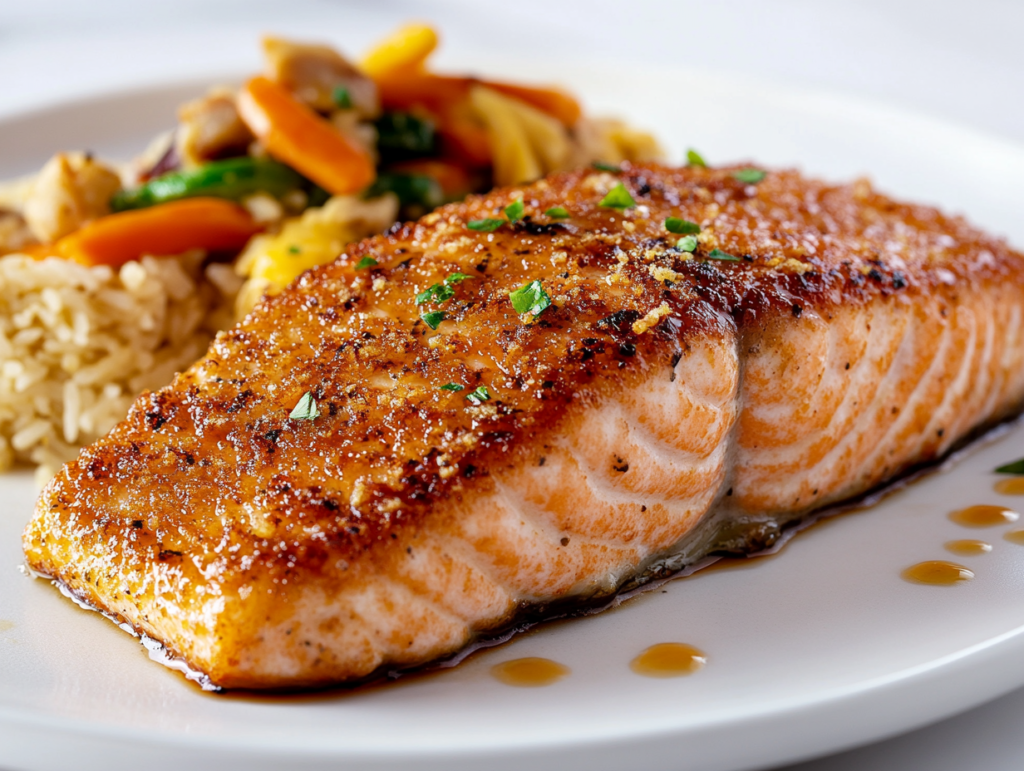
(819, 341)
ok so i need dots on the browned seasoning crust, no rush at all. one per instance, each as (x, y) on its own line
(209, 486)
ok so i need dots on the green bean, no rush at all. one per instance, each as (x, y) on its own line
(233, 178)
(401, 136)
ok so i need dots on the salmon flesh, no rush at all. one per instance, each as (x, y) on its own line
(453, 427)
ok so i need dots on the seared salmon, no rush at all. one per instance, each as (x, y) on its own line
(505, 410)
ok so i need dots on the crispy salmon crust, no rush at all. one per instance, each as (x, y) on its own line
(666, 405)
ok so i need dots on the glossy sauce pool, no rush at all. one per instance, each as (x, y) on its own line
(937, 573)
(984, 516)
(668, 660)
(968, 547)
(531, 672)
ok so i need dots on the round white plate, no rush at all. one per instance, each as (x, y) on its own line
(816, 649)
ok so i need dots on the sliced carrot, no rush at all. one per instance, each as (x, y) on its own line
(404, 50)
(453, 179)
(165, 229)
(462, 136)
(553, 101)
(298, 137)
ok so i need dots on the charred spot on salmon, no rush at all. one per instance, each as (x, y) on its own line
(620, 321)
(620, 465)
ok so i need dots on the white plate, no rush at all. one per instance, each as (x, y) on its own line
(819, 648)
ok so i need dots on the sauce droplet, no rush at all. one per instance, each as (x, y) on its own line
(668, 660)
(1015, 536)
(937, 573)
(1012, 486)
(6, 626)
(531, 672)
(968, 547)
(984, 516)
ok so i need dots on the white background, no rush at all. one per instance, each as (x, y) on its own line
(959, 62)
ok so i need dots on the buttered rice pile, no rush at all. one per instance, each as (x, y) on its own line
(77, 344)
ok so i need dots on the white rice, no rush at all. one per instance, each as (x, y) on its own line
(78, 344)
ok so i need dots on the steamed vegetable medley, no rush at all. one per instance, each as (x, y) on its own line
(281, 173)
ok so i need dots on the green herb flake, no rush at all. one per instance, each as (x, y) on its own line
(693, 158)
(306, 409)
(438, 293)
(530, 298)
(456, 278)
(557, 213)
(293, 249)
(514, 211)
(342, 98)
(718, 254)
(686, 243)
(681, 227)
(611, 168)
(452, 387)
(488, 225)
(366, 262)
(749, 176)
(478, 395)
(1017, 467)
(433, 319)
(618, 198)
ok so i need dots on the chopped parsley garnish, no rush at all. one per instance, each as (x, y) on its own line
(530, 298)
(452, 387)
(514, 211)
(293, 249)
(1017, 467)
(478, 395)
(456, 278)
(488, 225)
(693, 158)
(341, 97)
(366, 262)
(437, 293)
(686, 243)
(609, 167)
(718, 254)
(557, 213)
(433, 318)
(618, 198)
(306, 409)
(681, 227)
(749, 176)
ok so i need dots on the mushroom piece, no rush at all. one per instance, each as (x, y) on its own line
(210, 128)
(71, 190)
(313, 73)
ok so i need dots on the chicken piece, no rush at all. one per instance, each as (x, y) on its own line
(210, 128)
(314, 72)
(71, 190)
(447, 430)
(15, 233)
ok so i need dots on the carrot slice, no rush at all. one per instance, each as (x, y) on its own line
(404, 50)
(166, 229)
(298, 137)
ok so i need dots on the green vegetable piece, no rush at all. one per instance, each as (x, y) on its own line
(488, 225)
(618, 198)
(438, 293)
(293, 249)
(718, 254)
(514, 211)
(749, 176)
(693, 158)
(401, 135)
(1017, 467)
(234, 178)
(686, 243)
(557, 213)
(479, 395)
(609, 167)
(681, 227)
(411, 189)
(433, 319)
(306, 409)
(530, 298)
(456, 278)
(366, 262)
(452, 387)
(342, 98)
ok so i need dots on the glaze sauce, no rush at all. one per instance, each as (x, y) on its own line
(1015, 536)
(968, 547)
(668, 660)
(531, 672)
(1012, 486)
(937, 573)
(984, 516)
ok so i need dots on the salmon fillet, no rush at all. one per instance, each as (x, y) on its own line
(309, 504)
